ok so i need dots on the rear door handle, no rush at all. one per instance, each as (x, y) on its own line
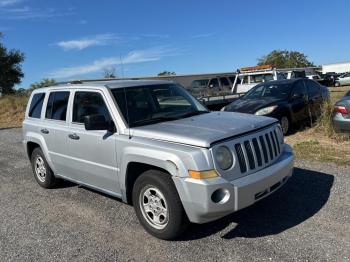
(44, 131)
(73, 136)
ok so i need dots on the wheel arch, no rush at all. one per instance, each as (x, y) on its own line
(33, 140)
(133, 171)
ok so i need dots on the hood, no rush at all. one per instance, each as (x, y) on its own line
(203, 130)
(250, 106)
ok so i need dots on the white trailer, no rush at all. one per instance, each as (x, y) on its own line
(336, 68)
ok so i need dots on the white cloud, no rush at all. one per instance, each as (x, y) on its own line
(156, 35)
(80, 44)
(9, 2)
(7, 12)
(201, 35)
(137, 56)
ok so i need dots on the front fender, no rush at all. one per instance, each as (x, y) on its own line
(154, 157)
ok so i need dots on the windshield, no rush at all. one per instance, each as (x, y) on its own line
(145, 105)
(269, 90)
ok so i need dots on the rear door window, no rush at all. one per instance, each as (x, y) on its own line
(313, 89)
(36, 105)
(57, 105)
(299, 89)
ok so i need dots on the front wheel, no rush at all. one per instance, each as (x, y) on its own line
(337, 84)
(285, 125)
(158, 206)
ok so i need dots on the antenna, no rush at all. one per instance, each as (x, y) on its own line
(127, 112)
(121, 65)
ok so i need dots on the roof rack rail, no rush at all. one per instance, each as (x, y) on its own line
(81, 81)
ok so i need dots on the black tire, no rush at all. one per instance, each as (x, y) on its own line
(337, 84)
(47, 181)
(287, 130)
(177, 220)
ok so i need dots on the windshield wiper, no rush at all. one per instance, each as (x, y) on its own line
(193, 113)
(167, 118)
(154, 120)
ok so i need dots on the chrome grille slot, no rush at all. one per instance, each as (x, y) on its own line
(250, 155)
(241, 158)
(273, 144)
(269, 146)
(263, 146)
(257, 151)
(277, 141)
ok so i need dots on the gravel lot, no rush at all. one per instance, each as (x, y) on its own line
(307, 220)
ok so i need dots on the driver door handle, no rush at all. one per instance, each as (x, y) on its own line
(73, 136)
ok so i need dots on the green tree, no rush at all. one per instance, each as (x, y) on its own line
(166, 73)
(10, 68)
(43, 83)
(285, 59)
(109, 72)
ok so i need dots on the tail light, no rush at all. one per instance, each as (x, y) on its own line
(341, 109)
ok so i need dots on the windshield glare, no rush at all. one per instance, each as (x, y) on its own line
(269, 90)
(144, 105)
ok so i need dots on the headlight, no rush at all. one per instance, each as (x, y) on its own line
(223, 157)
(265, 111)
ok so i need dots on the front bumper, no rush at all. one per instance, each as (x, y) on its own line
(196, 195)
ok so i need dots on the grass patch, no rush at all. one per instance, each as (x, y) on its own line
(314, 150)
(12, 110)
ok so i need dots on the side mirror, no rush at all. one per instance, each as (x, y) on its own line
(98, 122)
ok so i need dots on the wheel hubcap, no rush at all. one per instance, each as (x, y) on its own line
(154, 207)
(40, 169)
(285, 125)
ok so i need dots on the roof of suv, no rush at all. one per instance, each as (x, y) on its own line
(108, 84)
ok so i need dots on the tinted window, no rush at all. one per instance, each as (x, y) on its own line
(214, 83)
(224, 81)
(199, 83)
(36, 105)
(145, 105)
(269, 90)
(313, 89)
(256, 78)
(57, 106)
(245, 80)
(299, 89)
(261, 78)
(89, 103)
(232, 79)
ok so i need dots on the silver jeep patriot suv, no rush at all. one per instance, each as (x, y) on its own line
(156, 147)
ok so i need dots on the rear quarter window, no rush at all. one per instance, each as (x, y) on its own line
(36, 105)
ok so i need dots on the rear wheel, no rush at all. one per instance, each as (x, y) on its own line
(42, 172)
(337, 84)
(285, 125)
(158, 206)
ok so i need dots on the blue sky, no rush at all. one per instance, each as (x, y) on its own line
(78, 39)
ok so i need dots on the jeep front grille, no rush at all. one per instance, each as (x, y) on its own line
(258, 151)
